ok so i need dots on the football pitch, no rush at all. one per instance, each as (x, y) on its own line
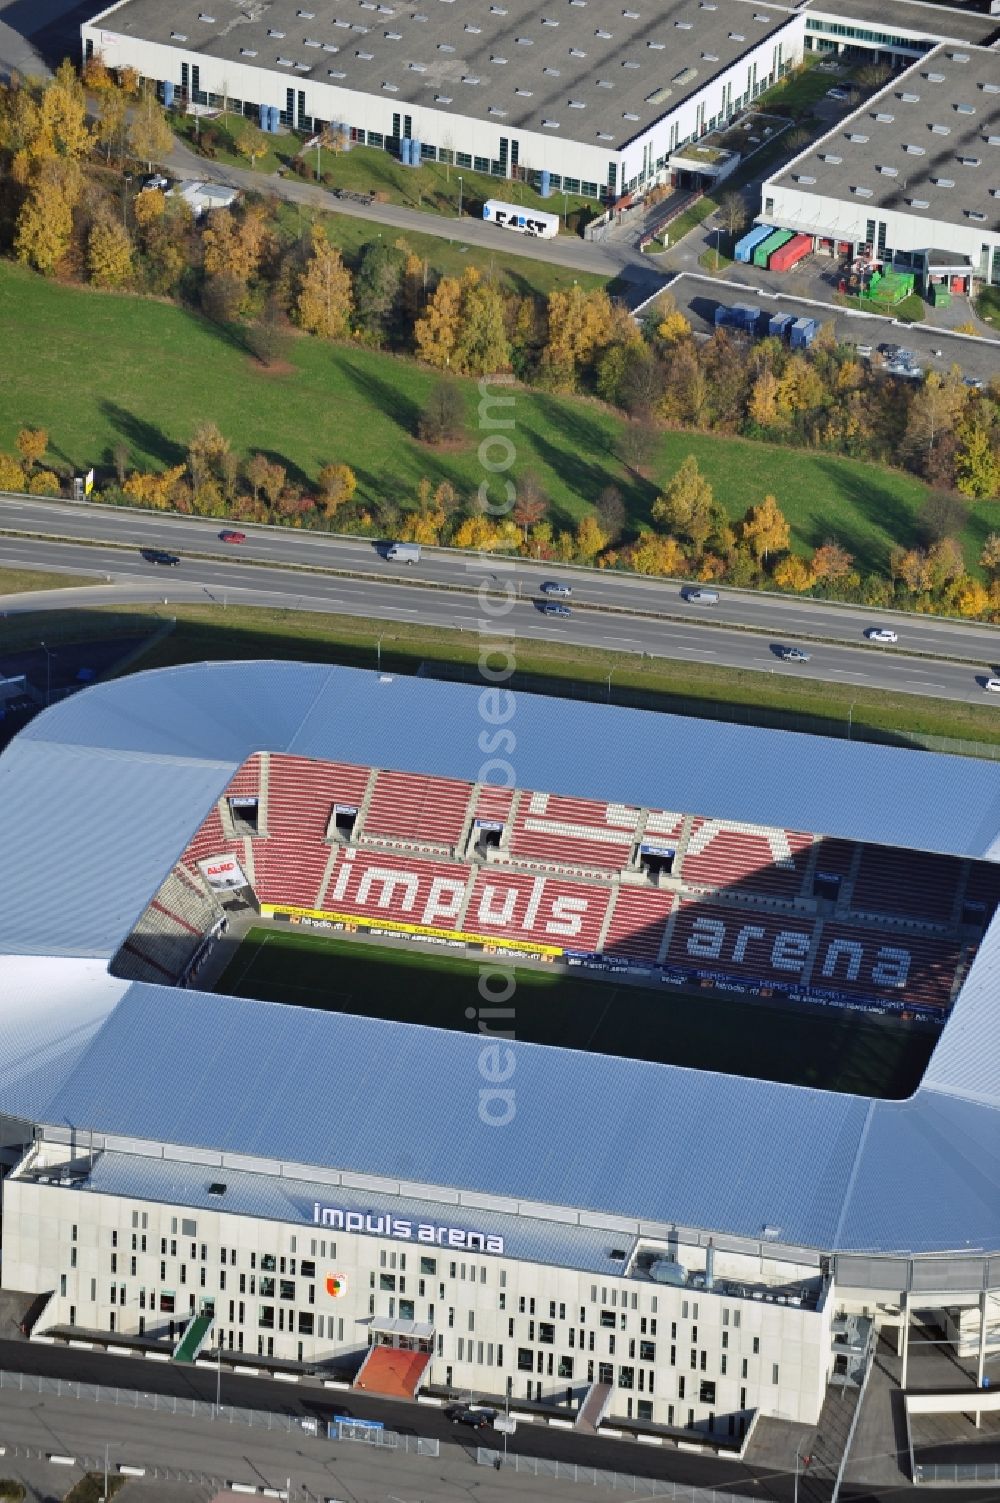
(829, 1048)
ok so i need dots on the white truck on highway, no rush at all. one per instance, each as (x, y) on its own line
(404, 553)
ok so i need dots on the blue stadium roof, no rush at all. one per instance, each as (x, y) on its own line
(102, 793)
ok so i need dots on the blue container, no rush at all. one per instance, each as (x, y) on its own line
(778, 324)
(168, 94)
(546, 184)
(404, 151)
(745, 248)
(414, 153)
(275, 119)
(802, 333)
(265, 117)
(345, 137)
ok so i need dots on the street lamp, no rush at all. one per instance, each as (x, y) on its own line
(48, 673)
(459, 195)
(805, 1464)
(718, 236)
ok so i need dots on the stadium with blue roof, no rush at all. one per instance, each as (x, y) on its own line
(550, 1221)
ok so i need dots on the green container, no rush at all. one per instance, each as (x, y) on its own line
(765, 250)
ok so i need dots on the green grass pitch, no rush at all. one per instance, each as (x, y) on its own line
(823, 1047)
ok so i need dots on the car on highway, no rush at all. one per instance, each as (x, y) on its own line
(992, 685)
(881, 634)
(795, 655)
(159, 556)
(478, 1419)
(555, 608)
(227, 535)
(701, 597)
(556, 587)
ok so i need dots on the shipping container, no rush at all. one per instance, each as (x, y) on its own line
(778, 324)
(766, 249)
(745, 247)
(802, 333)
(739, 316)
(790, 254)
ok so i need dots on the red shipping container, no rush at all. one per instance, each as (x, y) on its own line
(786, 256)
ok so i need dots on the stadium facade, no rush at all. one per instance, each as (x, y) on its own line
(669, 1247)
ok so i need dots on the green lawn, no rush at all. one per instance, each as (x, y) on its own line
(367, 169)
(449, 258)
(831, 1050)
(96, 369)
(19, 581)
(911, 310)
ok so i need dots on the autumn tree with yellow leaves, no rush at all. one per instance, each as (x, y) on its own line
(323, 305)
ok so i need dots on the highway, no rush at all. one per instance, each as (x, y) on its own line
(313, 571)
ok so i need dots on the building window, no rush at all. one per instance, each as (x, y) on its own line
(626, 1377)
(756, 1346)
(428, 1265)
(265, 1317)
(706, 1393)
(608, 1318)
(565, 1367)
(546, 1332)
(774, 1372)
(387, 1281)
(525, 1361)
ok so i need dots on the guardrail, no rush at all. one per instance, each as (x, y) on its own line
(596, 1476)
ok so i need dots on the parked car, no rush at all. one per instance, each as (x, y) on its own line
(881, 634)
(555, 608)
(156, 180)
(795, 655)
(227, 535)
(556, 587)
(838, 93)
(864, 351)
(159, 556)
(478, 1419)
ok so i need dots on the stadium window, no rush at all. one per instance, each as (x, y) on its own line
(673, 1356)
(703, 1363)
(286, 1289)
(736, 1319)
(744, 1369)
(428, 1265)
(387, 1281)
(694, 1333)
(694, 1359)
(725, 1339)
(608, 1318)
(723, 1364)
(307, 1269)
(546, 1332)
(525, 1360)
(647, 1351)
(306, 1320)
(503, 1300)
(774, 1372)
(451, 1317)
(756, 1346)
(265, 1317)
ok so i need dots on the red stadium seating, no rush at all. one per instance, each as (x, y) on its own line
(637, 924)
(884, 963)
(539, 909)
(906, 883)
(407, 806)
(729, 855)
(375, 879)
(573, 832)
(290, 862)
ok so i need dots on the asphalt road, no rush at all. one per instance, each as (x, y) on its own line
(635, 616)
(309, 1399)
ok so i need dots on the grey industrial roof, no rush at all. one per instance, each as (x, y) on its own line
(275, 1197)
(928, 144)
(592, 66)
(102, 792)
(926, 19)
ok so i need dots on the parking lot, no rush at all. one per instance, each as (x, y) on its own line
(698, 296)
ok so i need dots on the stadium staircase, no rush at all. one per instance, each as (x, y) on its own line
(194, 1337)
(393, 1372)
(593, 1408)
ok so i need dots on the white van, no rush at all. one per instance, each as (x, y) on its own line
(404, 553)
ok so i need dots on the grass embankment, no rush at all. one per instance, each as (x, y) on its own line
(367, 169)
(205, 633)
(162, 370)
(518, 275)
(20, 581)
(910, 310)
(832, 1050)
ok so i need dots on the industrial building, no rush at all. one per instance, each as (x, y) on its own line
(665, 1248)
(912, 179)
(588, 96)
